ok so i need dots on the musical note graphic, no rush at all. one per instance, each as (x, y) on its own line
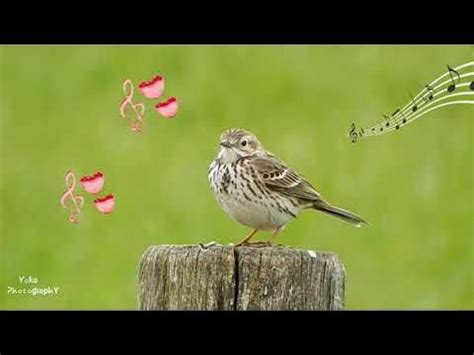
(430, 93)
(415, 106)
(138, 108)
(74, 203)
(454, 87)
(404, 120)
(151, 89)
(92, 184)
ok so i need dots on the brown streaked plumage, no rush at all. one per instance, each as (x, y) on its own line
(256, 189)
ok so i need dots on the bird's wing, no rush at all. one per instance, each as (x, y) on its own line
(282, 179)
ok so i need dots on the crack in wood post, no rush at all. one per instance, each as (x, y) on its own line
(236, 278)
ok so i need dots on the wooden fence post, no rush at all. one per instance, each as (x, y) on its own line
(218, 277)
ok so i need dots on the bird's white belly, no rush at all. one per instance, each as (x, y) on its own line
(253, 214)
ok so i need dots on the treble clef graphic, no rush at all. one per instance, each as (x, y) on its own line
(353, 134)
(76, 201)
(138, 108)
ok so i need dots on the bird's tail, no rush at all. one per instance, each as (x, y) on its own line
(339, 213)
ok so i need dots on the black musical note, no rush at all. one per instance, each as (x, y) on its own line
(430, 93)
(415, 106)
(472, 85)
(452, 86)
(387, 120)
(395, 113)
(404, 119)
(352, 133)
(397, 126)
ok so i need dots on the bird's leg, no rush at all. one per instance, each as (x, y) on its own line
(272, 238)
(247, 238)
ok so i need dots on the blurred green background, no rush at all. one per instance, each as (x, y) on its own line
(59, 111)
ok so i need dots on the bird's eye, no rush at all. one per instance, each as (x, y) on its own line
(243, 143)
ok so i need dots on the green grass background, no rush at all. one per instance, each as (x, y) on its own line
(59, 111)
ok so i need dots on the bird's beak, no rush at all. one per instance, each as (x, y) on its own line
(226, 144)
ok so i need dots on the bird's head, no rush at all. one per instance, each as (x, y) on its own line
(237, 143)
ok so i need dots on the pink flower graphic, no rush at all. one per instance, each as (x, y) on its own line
(169, 108)
(105, 204)
(93, 184)
(152, 89)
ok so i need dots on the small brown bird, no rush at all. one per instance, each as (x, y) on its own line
(257, 190)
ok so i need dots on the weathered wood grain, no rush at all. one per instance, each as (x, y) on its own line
(193, 277)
